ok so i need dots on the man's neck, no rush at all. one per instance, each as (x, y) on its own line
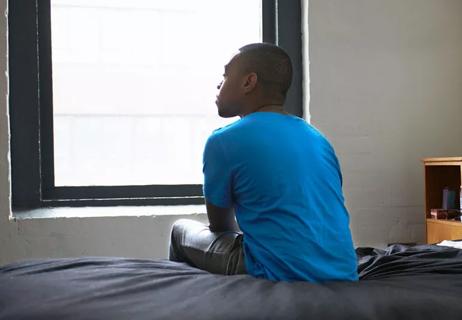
(277, 108)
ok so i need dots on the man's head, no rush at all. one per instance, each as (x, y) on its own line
(260, 74)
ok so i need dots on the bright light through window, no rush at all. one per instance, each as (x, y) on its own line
(134, 85)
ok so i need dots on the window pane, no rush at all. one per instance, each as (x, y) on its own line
(134, 85)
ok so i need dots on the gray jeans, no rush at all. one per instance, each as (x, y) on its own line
(217, 252)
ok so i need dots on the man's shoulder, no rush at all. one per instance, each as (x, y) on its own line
(245, 130)
(227, 130)
(217, 135)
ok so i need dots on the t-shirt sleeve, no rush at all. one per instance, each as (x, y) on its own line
(217, 174)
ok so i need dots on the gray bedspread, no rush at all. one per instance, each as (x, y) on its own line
(422, 282)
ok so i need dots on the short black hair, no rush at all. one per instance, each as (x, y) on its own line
(271, 64)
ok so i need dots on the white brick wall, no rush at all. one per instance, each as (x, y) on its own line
(386, 80)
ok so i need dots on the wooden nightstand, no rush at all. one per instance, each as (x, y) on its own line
(441, 173)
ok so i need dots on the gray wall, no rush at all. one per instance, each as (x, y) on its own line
(386, 88)
(385, 80)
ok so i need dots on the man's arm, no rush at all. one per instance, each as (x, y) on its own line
(221, 219)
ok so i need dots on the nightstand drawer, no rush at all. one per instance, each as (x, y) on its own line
(439, 230)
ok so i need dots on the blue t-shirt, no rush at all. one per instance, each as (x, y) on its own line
(283, 179)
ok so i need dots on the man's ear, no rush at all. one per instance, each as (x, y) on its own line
(250, 82)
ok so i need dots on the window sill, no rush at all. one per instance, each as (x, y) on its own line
(116, 211)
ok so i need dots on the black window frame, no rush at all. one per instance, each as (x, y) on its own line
(31, 111)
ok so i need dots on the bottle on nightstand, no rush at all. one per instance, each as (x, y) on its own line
(460, 199)
(460, 203)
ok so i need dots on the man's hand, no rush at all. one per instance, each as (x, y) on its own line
(221, 219)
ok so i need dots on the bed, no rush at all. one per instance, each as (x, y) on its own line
(399, 282)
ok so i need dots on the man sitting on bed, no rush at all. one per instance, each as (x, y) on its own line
(277, 175)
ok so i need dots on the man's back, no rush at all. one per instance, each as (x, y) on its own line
(283, 179)
(280, 176)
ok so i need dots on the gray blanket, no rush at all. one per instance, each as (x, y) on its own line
(422, 282)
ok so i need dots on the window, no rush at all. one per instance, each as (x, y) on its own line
(133, 102)
(98, 106)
